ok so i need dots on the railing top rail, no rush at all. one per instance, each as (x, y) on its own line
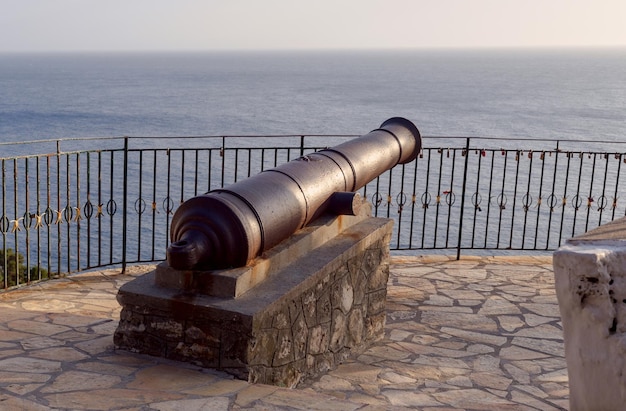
(55, 140)
(433, 137)
(54, 146)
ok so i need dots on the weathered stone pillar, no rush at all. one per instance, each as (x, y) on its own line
(590, 273)
(297, 311)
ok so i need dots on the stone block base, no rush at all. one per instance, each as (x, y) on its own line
(590, 275)
(299, 322)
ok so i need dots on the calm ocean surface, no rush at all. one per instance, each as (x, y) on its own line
(577, 94)
(540, 94)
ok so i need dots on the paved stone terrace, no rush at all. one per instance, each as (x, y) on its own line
(476, 334)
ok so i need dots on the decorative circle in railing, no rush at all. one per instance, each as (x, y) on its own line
(27, 220)
(426, 199)
(111, 207)
(68, 213)
(4, 224)
(401, 201)
(527, 200)
(88, 210)
(602, 202)
(48, 216)
(552, 201)
(476, 200)
(140, 206)
(450, 198)
(577, 202)
(168, 205)
(377, 199)
(502, 200)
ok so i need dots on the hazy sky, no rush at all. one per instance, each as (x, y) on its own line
(130, 25)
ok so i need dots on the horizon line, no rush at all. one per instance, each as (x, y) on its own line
(322, 49)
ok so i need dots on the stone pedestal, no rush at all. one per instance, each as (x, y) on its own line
(297, 311)
(590, 273)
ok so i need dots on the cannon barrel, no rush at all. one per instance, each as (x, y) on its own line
(230, 226)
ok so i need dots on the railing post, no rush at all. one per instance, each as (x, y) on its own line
(125, 205)
(301, 146)
(458, 247)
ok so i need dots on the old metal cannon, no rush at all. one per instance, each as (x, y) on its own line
(230, 226)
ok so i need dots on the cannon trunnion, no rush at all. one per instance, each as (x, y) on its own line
(228, 227)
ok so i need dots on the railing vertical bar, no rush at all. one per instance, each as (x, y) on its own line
(438, 198)
(602, 199)
(425, 198)
(38, 216)
(236, 165)
(210, 169)
(514, 206)
(223, 155)
(48, 217)
(502, 202)
(619, 168)
(450, 196)
(527, 202)
(590, 199)
(125, 205)
(553, 195)
(493, 160)
(155, 209)
(26, 221)
(182, 176)
(67, 212)
(539, 203)
(577, 197)
(463, 193)
(390, 172)
(168, 198)
(15, 226)
(4, 225)
(78, 214)
(477, 200)
(249, 162)
(400, 205)
(111, 208)
(197, 168)
(140, 205)
(88, 208)
(99, 212)
(59, 212)
(564, 199)
(413, 201)
(183, 172)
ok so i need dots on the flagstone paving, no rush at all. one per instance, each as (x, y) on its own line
(482, 333)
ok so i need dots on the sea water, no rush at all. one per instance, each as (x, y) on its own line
(565, 94)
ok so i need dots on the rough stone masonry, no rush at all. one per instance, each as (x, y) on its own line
(321, 305)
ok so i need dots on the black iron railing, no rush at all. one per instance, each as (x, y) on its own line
(86, 203)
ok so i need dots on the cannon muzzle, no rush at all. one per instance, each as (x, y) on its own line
(230, 226)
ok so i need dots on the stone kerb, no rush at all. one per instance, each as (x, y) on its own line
(300, 322)
(590, 277)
